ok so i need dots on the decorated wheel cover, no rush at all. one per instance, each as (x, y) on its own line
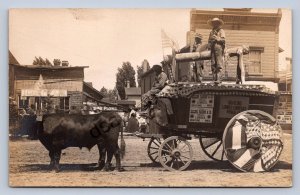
(252, 141)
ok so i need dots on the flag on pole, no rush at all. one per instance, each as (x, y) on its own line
(167, 42)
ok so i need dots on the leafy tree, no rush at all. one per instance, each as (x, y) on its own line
(146, 64)
(126, 73)
(56, 62)
(104, 91)
(36, 61)
(41, 61)
(112, 94)
(48, 63)
(139, 70)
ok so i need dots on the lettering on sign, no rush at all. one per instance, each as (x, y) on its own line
(232, 105)
(201, 108)
(284, 109)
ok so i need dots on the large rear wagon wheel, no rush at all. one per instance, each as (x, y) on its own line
(152, 149)
(213, 147)
(252, 141)
(175, 153)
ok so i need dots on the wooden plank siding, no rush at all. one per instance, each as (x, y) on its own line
(264, 39)
(50, 84)
(26, 73)
(243, 27)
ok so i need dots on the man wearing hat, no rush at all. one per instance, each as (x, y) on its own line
(216, 43)
(161, 79)
(196, 70)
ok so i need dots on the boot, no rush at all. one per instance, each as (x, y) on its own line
(217, 78)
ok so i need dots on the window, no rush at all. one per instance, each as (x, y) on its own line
(23, 102)
(64, 103)
(255, 60)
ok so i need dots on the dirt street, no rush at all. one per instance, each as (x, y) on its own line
(29, 167)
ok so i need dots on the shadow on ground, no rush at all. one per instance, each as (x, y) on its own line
(63, 167)
(195, 165)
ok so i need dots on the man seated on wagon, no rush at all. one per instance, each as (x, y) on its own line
(161, 79)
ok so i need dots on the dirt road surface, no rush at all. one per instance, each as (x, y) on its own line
(29, 162)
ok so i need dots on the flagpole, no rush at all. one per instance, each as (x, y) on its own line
(161, 32)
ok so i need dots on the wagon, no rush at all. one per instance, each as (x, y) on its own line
(233, 122)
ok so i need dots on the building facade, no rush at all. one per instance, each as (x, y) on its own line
(61, 86)
(259, 31)
(133, 94)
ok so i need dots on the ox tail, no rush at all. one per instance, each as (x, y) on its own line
(123, 144)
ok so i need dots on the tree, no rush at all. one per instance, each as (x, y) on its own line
(126, 73)
(41, 61)
(139, 70)
(112, 94)
(56, 62)
(104, 91)
(48, 63)
(36, 61)
(146, 65)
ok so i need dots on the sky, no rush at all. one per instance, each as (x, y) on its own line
(104, 38)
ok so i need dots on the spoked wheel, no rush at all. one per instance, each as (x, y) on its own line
(175, 153)
(213, 147)
(252, 141)
(152, 149)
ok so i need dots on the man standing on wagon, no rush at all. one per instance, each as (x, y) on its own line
(216, 43)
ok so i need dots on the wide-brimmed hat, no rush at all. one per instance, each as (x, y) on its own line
(156, 68)
(215, 20)
(198, 35)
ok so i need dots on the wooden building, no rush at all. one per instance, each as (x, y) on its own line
(259, 31)
(133, 94)
(285, 76)
(63, 86)
(147, 80)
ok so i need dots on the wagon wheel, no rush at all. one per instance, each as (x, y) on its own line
(152, 149)
(252, 141)
(213, 147)
(175, 153)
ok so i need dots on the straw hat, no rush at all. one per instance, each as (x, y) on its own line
(198, 35)
(215, 20)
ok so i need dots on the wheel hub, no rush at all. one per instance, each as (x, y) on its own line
(255, 143)
(176, 153)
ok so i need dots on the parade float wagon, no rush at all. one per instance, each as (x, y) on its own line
(233, 122)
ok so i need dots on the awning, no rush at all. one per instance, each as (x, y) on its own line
(43, 93)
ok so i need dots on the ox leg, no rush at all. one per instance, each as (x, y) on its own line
(113, 151)
(107, 166)
(102, 156)
(51, 155)
(57, 155)
(118, 159)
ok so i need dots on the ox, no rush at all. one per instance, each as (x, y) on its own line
(74, 130)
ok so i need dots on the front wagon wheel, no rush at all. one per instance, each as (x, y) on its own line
(175, 153)
(153, 148)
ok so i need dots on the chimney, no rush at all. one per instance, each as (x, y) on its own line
(127, 84)
(65, 63)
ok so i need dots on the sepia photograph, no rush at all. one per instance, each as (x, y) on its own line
(150, 97)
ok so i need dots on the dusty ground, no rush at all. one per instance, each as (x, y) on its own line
(29, 167)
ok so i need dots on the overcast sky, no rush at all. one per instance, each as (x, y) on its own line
(104, 38)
